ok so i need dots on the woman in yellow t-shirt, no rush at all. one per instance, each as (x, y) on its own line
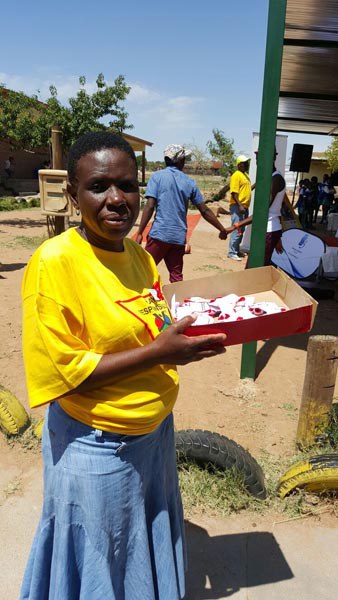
(100, 349)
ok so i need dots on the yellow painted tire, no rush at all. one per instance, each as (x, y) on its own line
(13, 417)
(38, 429)
(316, 474)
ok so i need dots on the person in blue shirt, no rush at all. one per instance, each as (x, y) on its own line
(327, 193)
(168, 193)
(304, 204)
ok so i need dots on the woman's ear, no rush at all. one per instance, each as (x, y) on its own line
(72, 194)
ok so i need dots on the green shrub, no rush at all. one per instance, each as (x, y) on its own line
(10, 203)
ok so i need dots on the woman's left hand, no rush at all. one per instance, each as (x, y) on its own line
(172, 346)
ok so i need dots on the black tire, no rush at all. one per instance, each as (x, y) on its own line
(206, 447)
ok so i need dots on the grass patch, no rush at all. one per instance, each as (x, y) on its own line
(25, 241)
(27, 440)
(331, 430)
(13, 487)
(290, 409)
(212, 490)
(9, 203)
(208, 184)
(212, 268)
(222, 493)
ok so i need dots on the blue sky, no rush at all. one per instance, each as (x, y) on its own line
(192, 66)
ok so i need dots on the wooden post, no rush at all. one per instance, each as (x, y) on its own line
(318, 389)
(143, 167)
(57, 157)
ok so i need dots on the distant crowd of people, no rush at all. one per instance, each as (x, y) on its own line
(313, 195)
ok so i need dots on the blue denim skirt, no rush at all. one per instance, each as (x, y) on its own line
(112, 522)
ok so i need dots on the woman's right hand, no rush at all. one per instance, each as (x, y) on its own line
(173, 347)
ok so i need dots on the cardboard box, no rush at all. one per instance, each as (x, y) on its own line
(265, 284)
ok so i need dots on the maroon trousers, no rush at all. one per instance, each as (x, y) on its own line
(172, 254)
(271, 240)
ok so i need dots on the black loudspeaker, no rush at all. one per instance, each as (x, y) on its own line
(301, 158)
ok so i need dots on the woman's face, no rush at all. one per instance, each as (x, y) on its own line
(106, 192)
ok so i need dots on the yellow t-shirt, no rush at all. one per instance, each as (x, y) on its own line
(81, 302)
(240, 184)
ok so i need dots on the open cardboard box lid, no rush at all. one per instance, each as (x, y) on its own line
(265, 284)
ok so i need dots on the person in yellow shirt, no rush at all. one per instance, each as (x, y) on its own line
(100, 350)
(240, 196)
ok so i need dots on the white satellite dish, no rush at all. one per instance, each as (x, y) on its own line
(301, 255)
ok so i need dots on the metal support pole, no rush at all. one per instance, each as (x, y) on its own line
(267, 136)
(294, 189)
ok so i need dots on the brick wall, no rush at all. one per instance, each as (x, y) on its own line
(24, 162)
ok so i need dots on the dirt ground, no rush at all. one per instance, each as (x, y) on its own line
(260, 415)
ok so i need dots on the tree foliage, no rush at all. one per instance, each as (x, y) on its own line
(27, 122)
(222, 148)
(154, 165)
(200, 157)
(332, 155)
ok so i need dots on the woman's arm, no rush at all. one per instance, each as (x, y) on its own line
(238, 225)
(170, 347)
(209, 216)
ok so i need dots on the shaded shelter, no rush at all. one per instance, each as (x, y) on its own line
(308, 96)
(300, 94)
(139, 145)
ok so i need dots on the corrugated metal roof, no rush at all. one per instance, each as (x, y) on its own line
(309, 82)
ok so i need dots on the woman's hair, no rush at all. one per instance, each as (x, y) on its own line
(93, 142)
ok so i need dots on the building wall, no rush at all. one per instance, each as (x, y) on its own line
(318, 168)
(24, 162)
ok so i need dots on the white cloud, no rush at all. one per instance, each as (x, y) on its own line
(168, 112)
(140, 94)
(165, 110)
(66, 86)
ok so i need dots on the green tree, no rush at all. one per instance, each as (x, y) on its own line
(332, 155)
(27, 122)
(200, 157)
(222, 148)
(153, 165)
